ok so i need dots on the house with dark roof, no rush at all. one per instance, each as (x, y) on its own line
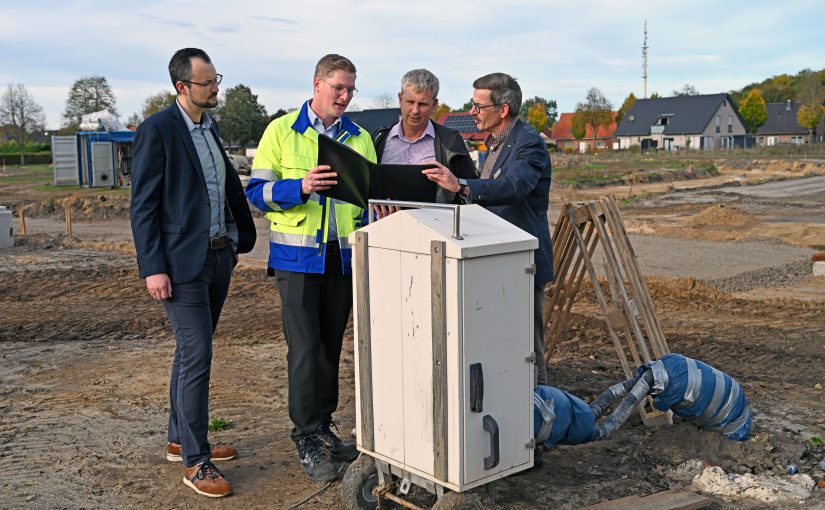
(375, 119)
(782, 126)
(562, 136)
(707, 122)
(463, 123)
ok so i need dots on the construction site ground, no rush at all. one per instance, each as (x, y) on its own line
(85, 355)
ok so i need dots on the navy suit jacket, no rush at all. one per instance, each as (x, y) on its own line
(519, 191)
(170, 204)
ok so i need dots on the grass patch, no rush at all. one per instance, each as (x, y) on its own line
(218, 424)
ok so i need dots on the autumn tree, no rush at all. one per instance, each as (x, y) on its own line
(811, 96)
(88, 95)
(442, 108)
(596, 111)
(629, 101)
(809, 116)
(21, 115)
(753, 110)
(243, 120)
(537, 117)
(550, 109)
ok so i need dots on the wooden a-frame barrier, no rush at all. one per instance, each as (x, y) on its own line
(627, 308)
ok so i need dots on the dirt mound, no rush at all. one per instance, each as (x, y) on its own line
(86, 207)
(719, 215)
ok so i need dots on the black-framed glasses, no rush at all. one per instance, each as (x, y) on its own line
(340, 89)
(217, 81)
(480, 107)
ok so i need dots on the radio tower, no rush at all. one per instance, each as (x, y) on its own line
(644, 60)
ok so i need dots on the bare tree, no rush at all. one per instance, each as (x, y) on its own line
(19, 111)
(386, 100)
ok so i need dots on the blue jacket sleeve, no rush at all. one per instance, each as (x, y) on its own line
(148, 163)
(519, 176)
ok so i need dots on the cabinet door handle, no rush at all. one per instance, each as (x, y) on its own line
(491, 427)
(476, 388)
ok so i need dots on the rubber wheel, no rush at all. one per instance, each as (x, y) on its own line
(359, 480)
(458, 501)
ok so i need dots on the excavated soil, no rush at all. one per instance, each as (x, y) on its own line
(86, 357)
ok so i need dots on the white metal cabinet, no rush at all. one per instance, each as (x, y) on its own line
(488, 318)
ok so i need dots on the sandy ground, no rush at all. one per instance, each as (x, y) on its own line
(86, 356)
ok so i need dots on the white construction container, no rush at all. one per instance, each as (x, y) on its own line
(6, 230)
(444, 346)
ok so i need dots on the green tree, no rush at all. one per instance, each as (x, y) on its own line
(550, 109)
(629, 101)
(578, 125)
(655, 95)
(88, 95)
(596, 110)
(537, 116)
(280, 112)
(243, 120)
(753, 110)
(156, 102)
(686, 90)
(811, 95)
(466, 107)
(21, 115)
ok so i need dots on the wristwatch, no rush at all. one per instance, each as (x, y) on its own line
(462, 187)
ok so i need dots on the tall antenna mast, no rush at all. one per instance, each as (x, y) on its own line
(644, 60)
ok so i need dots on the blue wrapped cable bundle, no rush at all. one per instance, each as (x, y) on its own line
(692, 389)
(700, 394)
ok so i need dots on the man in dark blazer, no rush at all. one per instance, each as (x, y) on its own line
(190, 219)
(514, 182)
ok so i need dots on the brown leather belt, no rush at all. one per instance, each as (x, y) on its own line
(218, 243)
(333, 248)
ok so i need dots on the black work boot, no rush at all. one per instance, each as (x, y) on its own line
(316, 465)
(333, 446)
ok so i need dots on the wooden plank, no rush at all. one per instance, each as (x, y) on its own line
(666, 500)
(438, 273)
(362, 285)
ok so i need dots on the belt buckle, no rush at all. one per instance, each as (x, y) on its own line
(217, 243)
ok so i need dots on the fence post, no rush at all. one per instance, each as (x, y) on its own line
(68, 220)
(22, 216)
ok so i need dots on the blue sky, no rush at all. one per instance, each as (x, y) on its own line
(556, 50)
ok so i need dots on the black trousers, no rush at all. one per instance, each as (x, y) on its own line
(315, 309)
(194, 309)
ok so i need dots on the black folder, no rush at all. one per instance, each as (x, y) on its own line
(360, 180)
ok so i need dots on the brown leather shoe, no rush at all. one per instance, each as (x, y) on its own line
(206, 480)
(219, 452)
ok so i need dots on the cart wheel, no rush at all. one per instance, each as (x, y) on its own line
(458, 501)
(359, 481)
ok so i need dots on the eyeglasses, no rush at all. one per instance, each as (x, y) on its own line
(209, 83)
(340, 89)
(480, 107)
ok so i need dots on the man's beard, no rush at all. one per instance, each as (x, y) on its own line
(212, 102)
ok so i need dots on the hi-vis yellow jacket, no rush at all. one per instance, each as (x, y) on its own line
(299, 224)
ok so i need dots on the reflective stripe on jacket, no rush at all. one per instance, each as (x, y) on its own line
(287, 151)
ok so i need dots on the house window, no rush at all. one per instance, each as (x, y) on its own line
(730, 123)
(601, 144)
(718, 123)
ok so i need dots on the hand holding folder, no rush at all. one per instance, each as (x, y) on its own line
(359, 179)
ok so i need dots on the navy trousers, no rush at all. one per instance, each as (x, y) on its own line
(315, 309)
(194, 310)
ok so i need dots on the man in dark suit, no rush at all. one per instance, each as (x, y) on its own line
(514, 182)
(190, 219)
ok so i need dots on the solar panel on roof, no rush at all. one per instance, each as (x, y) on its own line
(462, 123)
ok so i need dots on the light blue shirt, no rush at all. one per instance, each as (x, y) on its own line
(214, 173)
(332, 132)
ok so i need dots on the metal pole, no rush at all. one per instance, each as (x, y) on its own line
(424, 205)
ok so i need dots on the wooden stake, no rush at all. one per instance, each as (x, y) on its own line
(68, 220)
(22, 216)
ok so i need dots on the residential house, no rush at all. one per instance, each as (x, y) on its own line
(463, 123)
(375, 119)
(707, 122)
(563, 138)
(782, 126)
